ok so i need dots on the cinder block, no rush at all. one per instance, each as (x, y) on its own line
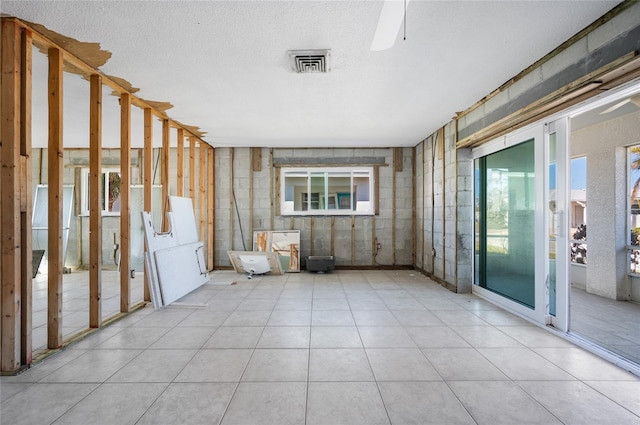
(610, 30)
(532, 79)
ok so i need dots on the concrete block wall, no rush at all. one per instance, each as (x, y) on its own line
(600, 45)
(453, 228)
(353, 237)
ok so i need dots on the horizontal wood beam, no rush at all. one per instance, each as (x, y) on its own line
(87, 70)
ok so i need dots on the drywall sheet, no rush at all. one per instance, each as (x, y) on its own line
(184, 219)
(156, 241)
(181, 269)
(136, 206)
(271, 256)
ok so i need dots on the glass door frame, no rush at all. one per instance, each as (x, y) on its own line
(539, 312)
(560, 296)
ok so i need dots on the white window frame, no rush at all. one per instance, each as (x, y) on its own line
(631, 249)
(362, 208)
(84, 194)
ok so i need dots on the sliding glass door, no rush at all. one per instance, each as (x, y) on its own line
(509, 225)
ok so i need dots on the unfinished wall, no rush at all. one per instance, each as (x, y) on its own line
(351, 239)
(444, 228)
(77, 255)
(444, 179)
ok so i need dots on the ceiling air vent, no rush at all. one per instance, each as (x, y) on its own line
(304, 61)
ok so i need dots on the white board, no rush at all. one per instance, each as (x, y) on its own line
(156, 241)
(181, 269)
(184, 225)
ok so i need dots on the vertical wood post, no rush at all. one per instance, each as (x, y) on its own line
(95, 199)
(180, 163)
(252, 168)
(125, 192)
(397, 158)
(55, 156)
(231, 203)
(413, 207)
(192, 169)
(10, 204)
(166, 164)
(203, 189)
(211, 205)
(26, 208)
(148, 183)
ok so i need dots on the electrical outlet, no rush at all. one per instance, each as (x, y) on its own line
(378, 245)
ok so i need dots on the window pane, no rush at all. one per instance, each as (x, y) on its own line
(114, 191)
(295, 184)
(362, 192)
(327, 191)
(634, 207)
(338, 182)
(507, 225)
(317, 199)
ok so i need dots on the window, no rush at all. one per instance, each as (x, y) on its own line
(327, 191)
(110, 196)
(578, 213)
(505, 222)
(633, 208)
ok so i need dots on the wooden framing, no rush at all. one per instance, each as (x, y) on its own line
(192, 169)
(202, 210)
(311, 238)
(148, 182)
(256, 159)
(180, 163)
(333, 235)
(95, 208)
(353, 239)
(271, 191)
(252, 168)
(26, 208)
(393, 205)
(413, 206)
(166, 166)
(55, 152)
(10, 173)
(125, 193)
(441, 135)
(211, 241)
(231, 203)
(17, 40)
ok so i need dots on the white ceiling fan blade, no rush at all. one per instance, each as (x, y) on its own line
(616, 106)
(391, 18)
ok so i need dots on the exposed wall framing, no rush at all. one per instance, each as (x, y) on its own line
(15, 90)
(180, 163)
(18, 37)
(54, 245)
(95, 207)
(125, 193)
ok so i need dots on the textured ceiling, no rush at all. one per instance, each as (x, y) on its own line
(224, 64)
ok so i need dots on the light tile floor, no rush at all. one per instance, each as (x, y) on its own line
(75, 302)
(612, 324)
(351, 347)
